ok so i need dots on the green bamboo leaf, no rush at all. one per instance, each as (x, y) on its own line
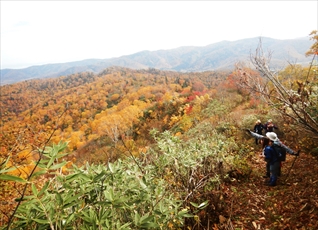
(84, 176)
(184, 213)
(107, 223)
(137, 218)
(41, 221)
(146, 219)
(44, 188)
(71, 177)
(61, 155)
(187, 215)
(8, 170)
(11, 178)
(203, 205)
(43, 164)
(70, 218)
(99, 176)
(109, 195)
(124, 227)
(142, 184)
(194, 204)
(52, 212)
(57, 166)
(52, 159)
(34, 190)
(59, 199)
(38, 173)
(46, 151)
(69, 202)
(21, 217)
(36, 206)
(5, 163)
(110, 166)
(56, 149)
(149, 225)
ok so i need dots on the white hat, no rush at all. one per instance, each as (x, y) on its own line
(272, 136)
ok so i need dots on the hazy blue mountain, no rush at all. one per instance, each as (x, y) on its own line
(218, 56)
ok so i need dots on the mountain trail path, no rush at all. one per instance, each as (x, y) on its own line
(292, 204)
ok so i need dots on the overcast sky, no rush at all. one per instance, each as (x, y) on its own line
(43, 32)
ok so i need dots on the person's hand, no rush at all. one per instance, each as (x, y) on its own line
(297, 154)
(247, 130)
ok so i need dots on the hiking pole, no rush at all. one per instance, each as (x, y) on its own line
(292, 166)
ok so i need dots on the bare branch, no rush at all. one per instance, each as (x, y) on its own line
(299, 105)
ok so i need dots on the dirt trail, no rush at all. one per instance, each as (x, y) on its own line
(292, 204)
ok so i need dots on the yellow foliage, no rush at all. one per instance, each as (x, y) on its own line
(175, 87)
(178, 134)
(173, 120)
(167, 97)
(185, 123)
(79, 144)
(114, 97)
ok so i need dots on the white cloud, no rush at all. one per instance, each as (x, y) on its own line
(39, 32)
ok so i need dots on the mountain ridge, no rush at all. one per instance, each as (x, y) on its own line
(217, 56)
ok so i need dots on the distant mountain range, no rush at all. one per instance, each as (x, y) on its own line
(218, 56)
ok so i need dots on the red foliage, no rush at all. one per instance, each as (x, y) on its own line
(188, 109)
(194, 95)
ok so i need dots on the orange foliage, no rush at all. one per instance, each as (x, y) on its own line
(83, 107)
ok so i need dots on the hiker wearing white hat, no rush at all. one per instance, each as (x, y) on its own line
(271, 156)
(273, 161)
(273, 136)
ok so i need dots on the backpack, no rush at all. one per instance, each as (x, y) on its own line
(280, 152)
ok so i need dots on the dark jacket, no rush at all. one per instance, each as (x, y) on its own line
(269, 127)
(270, 155)
(258, 128)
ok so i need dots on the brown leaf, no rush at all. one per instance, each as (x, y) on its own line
(222, 219)
(254, 224)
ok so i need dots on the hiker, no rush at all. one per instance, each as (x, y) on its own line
(258, 128)
(272, 159)
(269, 126)
(273, 137)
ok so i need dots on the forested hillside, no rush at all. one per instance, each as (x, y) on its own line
(141, 149)
(84, 107)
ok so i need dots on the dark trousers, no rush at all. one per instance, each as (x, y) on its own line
(274, 170)
(268, 173)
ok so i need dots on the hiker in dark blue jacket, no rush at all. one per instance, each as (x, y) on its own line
(274, 163)
(273, 137)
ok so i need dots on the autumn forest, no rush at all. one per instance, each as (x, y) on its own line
(152, 149)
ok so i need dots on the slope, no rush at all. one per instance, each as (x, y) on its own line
(292, 204)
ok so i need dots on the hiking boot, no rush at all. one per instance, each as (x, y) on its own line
(271, 185)
(266, 182)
